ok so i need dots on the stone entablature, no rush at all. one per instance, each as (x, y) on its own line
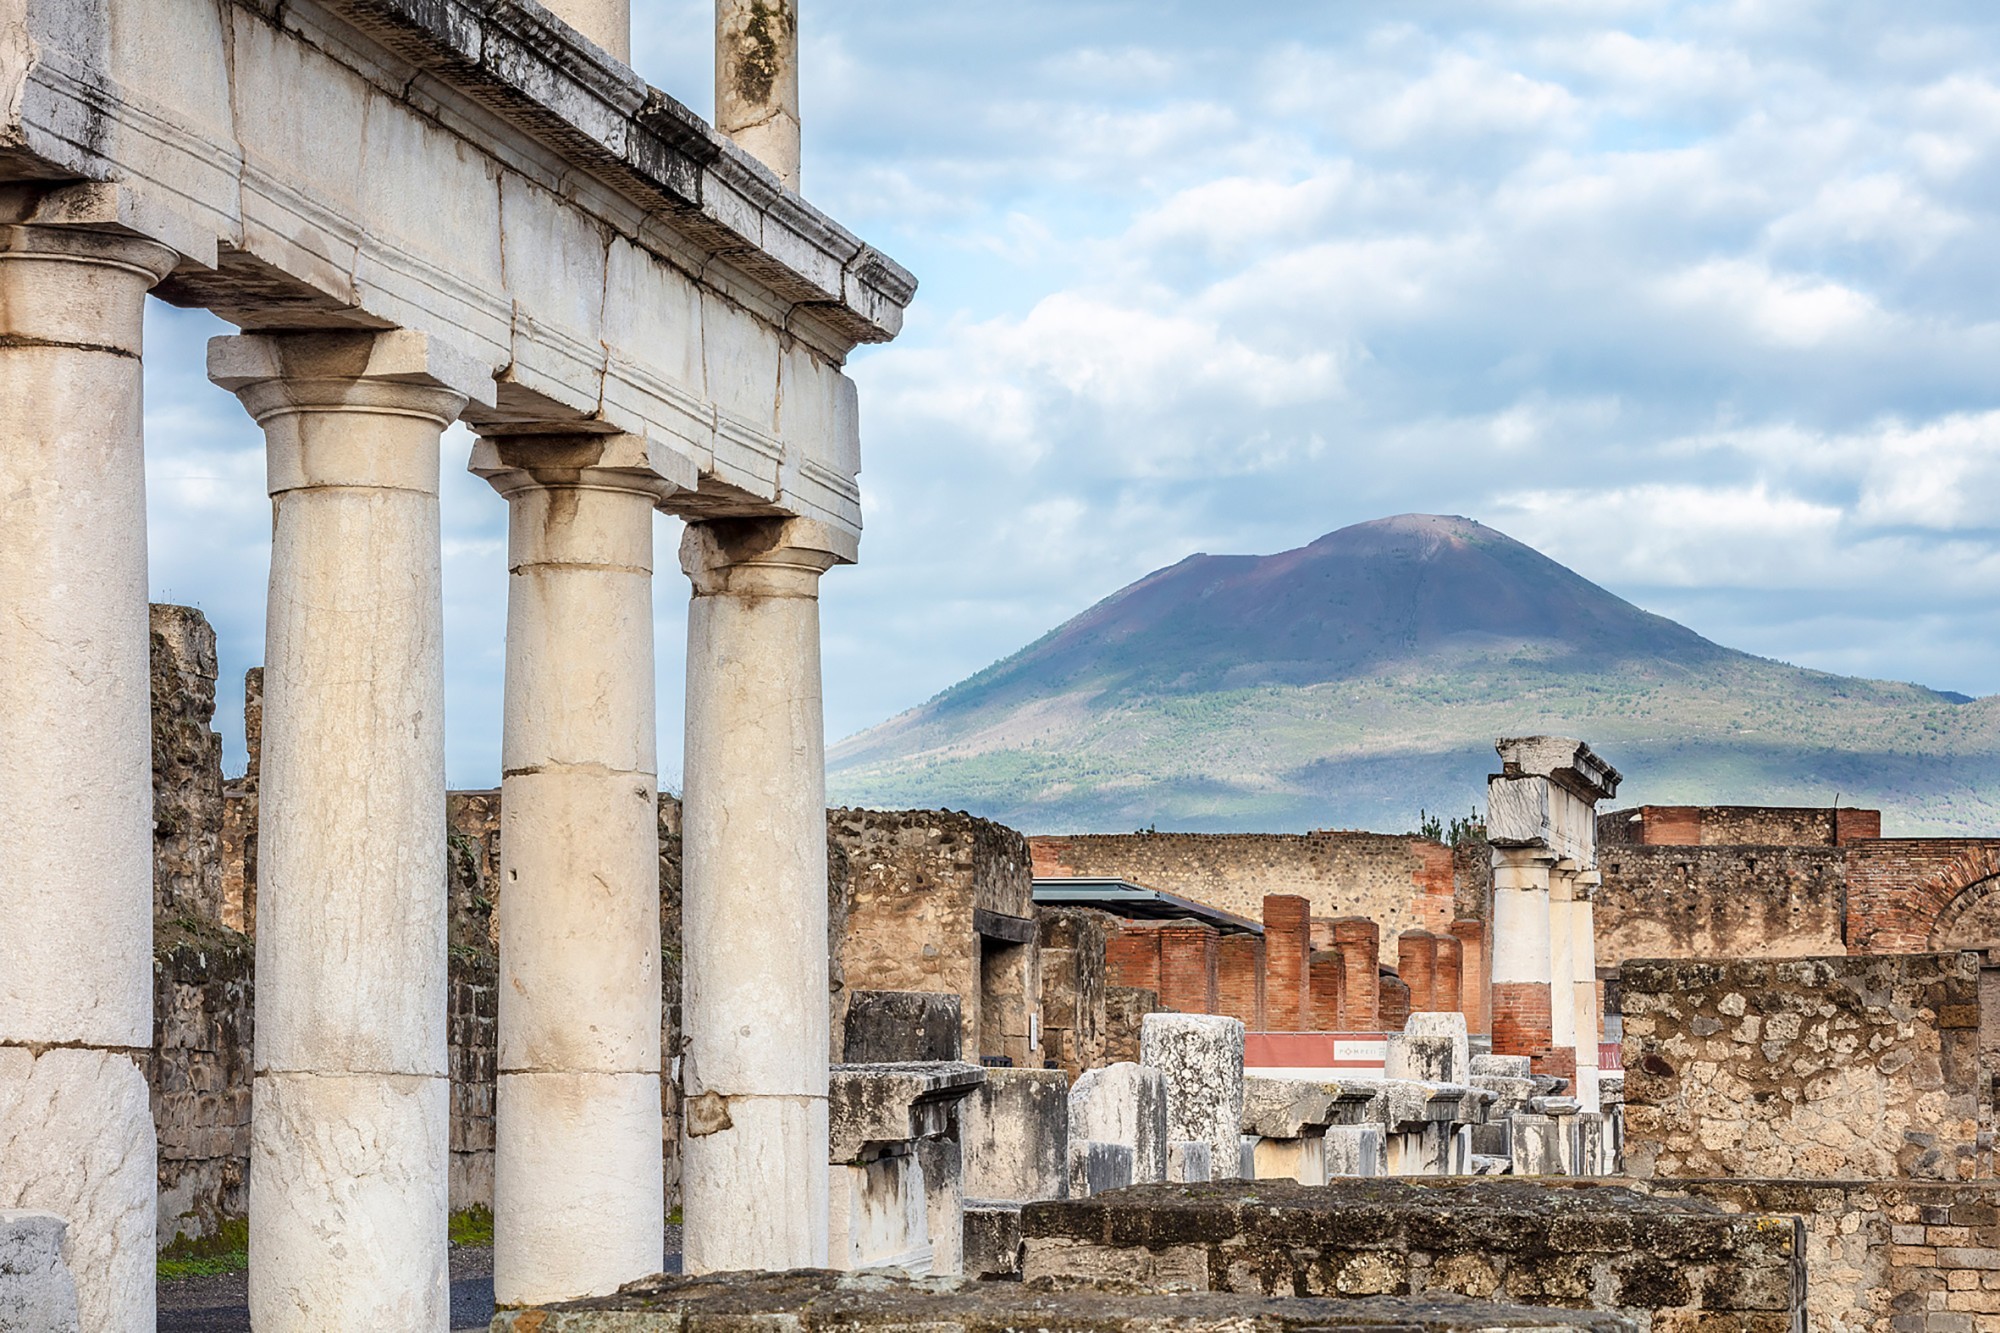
(608, 254)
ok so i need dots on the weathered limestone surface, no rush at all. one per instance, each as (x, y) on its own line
(757, 81)
(889, 1026)
(1015, 1132)
(201, 1076)
(1189, 1162)
(815, 1301)
(1851, 1067)
(1124, 1103)
(1201, 1056)
(992, 1239)
(1432, 1046)
(37, 1294)
(1666, 1263)
(1074, 1024)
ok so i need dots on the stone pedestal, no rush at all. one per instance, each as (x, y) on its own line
(76, 898)
(1124, 1103)
(1015, 1133)
(578, 1207)
(349, 1140)
(754, 905)
(896, 1199)
(1202, 1058)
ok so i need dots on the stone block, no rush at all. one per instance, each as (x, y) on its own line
(943, 1166)
(1015, 1134)
(875, 1108)
(1501, 1066)
(894, 1027)
(1201, 1056)
(1285, 1108)
(1300, 1159)
(37, 1294)
(1095, 1167)
(1537, 1147)
(878, 1215)
(1433, 1047)
(815, 1300)
(1124, 1103)
(1353, 1150)
(1190, 1162)
(991, 1239)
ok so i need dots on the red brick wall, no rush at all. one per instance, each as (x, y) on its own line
(1187, 967)
(1359, 943)
(1132, 958)
(1896, 888)
(1328, 978)
(1288, 955)
(1395, 1004)
(1474, 982)
(1416, 964)
(1239, 979)
(1521, 1023)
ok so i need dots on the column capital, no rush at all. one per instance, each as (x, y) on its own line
(399, 370)
(770, 557)
(556, 460)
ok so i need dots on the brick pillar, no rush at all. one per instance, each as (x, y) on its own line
(1187, 967)
(1132, 958)
(1359, 943)
(1416, 962)
(1288, 960)
(1474, 981)
(1445, 974)
(1239, 979)
(1395, 1004)
(1326, 977)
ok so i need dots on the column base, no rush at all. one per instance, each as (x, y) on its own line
(76, 1140)
(579, 1204)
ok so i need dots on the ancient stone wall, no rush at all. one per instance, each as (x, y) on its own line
(1399, 881)
(238, 836)
(187, 767)
(1073, 942)
(1720, 902)
(1811, 1068)
(1883, 1256)
(917, 879)
(200, 1077)
(1736, 826)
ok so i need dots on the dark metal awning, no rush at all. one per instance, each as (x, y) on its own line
(1121, 897)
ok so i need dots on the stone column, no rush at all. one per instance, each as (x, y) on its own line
(1472, 974)
(1359, 943)
(1521, 966)
(1562, 970)
(754, 920)
(76, 846)
(757, 81)
(1583, 958)
(350, 1106)
(606, 22)
(578, 1208)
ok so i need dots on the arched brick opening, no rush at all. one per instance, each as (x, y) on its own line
(1961, 902)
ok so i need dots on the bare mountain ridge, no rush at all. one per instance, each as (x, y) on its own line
(1355, 679)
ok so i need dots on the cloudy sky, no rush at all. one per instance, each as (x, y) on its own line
(1698, 298)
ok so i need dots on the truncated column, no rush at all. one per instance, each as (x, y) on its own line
(1583, 960)
(578, 1208)
(1521, 962)
(349, 1148)
(754, 1173)
(76, 846)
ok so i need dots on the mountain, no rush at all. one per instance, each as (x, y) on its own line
(1351, 682)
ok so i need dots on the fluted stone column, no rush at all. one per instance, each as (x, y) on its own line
(1522, 968)
(578, 1208)
(1583, 959)
(757, 81)
(754, 1170)
(76, 843)
(350, 1107)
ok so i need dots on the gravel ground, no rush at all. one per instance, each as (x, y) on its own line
(221, 1304)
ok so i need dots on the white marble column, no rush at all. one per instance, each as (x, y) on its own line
(754, 1171)
(350, 1107)
(76, 843)
(1583, 960)
(578, 1208)
(1562, 965)
(757, 81)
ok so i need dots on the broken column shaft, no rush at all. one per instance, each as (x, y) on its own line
(757, 81)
